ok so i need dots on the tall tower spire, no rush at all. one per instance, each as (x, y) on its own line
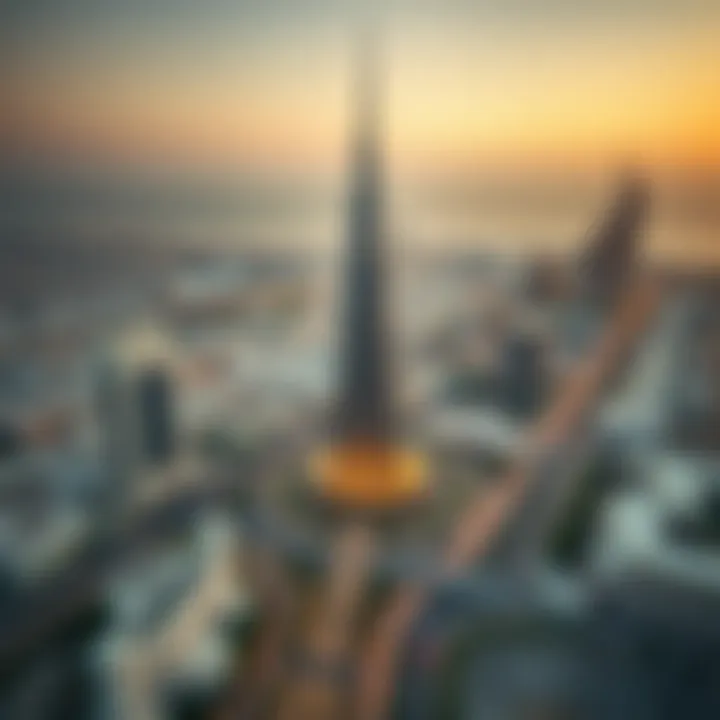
(363, 468)
(364, 409)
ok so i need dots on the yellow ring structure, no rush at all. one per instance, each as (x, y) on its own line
(370, 476)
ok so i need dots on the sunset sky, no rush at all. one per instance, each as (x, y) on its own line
(224, 85)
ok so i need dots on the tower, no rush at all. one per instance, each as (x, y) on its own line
(135, 406)
(364, 467)
(364, 407)
(611, 257)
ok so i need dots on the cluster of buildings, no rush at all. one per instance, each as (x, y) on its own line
(619, 615)
(114, 503)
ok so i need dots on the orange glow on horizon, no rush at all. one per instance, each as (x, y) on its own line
(514, 100)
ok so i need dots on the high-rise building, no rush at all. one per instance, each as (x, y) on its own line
(135, 406)
(365, 466)
(154, 388)
(522, 374)
(612, 253)
(364, 407)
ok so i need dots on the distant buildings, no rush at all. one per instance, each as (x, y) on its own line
(251, 291)
(499, 378)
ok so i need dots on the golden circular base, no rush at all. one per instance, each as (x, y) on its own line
(369, 476)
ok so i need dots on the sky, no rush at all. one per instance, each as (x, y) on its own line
(263, 85)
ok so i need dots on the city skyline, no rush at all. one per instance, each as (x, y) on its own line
(469, 470)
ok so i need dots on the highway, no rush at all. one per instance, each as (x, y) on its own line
(317, 682)
(299, 666)
(253, 694)
(487, 518)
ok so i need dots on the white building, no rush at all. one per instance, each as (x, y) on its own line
(170, 611)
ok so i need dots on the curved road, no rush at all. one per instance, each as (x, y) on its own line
(479, 527)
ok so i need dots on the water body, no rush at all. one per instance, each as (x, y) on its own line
(533, 214)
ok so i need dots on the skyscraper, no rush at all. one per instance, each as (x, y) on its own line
(364, 466)
(612, 254)
(364, 408)
(522, 374)
(136, 420)
(155, 397)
